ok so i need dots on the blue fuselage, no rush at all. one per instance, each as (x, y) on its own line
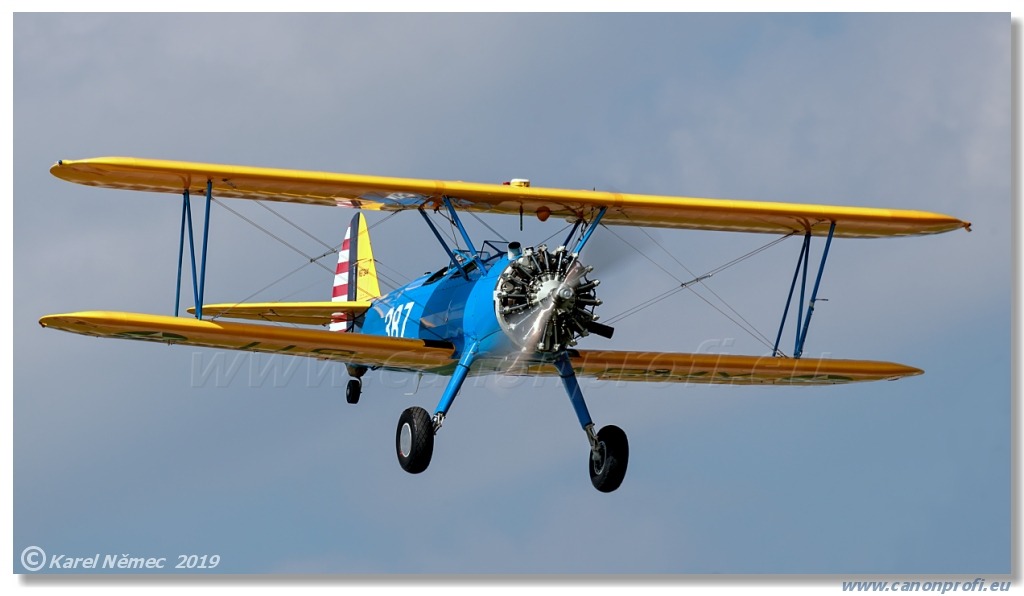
(449, 306)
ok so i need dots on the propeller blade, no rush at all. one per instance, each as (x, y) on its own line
(535, 323)
(601, 329)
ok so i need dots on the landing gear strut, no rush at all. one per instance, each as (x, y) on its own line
(609, 449)
(414, 439)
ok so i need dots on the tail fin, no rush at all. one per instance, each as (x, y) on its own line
(355, 279)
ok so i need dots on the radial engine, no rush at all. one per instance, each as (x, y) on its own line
(545, 301)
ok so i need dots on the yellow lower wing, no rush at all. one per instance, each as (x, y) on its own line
(726, 369)
(351, 348)
(301, 313)
(397, 353)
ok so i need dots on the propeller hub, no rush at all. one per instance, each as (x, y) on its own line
(544, 301)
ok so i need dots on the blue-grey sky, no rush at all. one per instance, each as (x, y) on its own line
(122, 447)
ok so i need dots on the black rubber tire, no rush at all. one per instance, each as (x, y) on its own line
(606, 475)
(352, 391)
(420, 443)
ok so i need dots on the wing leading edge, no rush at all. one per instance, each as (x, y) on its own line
(393, 194)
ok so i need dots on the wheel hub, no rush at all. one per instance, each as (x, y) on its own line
(405, 440)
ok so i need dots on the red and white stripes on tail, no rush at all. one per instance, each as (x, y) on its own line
(340, 321)
(355, 278)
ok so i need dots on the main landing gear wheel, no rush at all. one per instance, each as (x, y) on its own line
(352, 391)
(608, 463)
(414, 440)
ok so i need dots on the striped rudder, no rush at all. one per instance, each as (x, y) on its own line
(355, 278)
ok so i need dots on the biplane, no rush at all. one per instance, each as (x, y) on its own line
(497, 307)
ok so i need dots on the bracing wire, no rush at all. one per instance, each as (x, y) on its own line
(275, 237)
(700, 279)
(272, 284)
(745, 324)
(493, 231)
(331, 250)
(454, 234)
(293, 224)
(557, 233)
(391, 282)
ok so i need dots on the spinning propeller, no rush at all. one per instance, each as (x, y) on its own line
(544, 300)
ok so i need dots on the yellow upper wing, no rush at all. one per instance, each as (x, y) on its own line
(390, 194)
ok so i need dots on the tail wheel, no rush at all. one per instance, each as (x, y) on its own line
(608, 463)
(352, 391)
(414, 440)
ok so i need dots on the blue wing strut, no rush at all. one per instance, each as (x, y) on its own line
(198, 285)
(801, 262)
